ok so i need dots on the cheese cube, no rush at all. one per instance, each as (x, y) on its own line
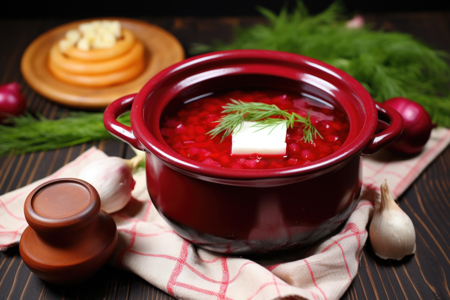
(73, 35)
(83, 44)
(254, 140)
(96, 24)
(89, 35)
(84, 27)
(104, 40)
(65, 44)
(114, 28)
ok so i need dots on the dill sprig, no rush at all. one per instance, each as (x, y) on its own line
(28, 133)
(387, 64)
(237, 111)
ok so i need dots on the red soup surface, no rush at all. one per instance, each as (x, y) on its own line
(185, 130)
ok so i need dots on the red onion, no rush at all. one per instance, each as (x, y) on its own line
(417, 126)
(12, 101)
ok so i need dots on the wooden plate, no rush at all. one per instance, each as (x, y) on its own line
(162, 50)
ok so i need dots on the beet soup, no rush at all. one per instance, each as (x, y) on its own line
(185, 129)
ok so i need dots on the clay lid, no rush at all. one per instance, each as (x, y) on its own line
(61, 206)
(69, 237)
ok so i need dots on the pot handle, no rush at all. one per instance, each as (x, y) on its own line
(392, 131)
(121, 131)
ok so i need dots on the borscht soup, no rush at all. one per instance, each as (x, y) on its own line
(186, 128)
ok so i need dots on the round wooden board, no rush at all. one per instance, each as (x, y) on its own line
(162, 49)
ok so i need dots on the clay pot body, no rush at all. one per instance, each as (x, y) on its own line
(253, 211)
(69, 238)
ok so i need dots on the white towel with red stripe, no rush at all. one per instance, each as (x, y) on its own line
(149, 248)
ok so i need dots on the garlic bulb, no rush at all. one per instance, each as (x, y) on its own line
(391, 231)
(112, 177)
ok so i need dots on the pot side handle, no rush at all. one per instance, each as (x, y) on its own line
(393, 130)
(121, 131)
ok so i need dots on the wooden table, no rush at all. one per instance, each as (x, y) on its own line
(424, 276)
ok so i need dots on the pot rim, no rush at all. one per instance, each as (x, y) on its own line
(174, 160)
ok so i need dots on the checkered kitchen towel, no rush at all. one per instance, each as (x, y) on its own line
(150, 248)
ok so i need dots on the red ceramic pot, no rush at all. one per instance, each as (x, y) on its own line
(252, 211)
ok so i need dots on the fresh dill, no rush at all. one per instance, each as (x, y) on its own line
(265, 116)
(28, 133)
(388, 64)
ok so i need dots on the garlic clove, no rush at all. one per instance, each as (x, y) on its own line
(133, 163)
(391, 231)
(112, 177)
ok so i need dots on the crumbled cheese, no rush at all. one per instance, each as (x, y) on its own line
(92, 35)
(254, 140)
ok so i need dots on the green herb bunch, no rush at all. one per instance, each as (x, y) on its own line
(264, 114)
(387, 64)
(29, 134)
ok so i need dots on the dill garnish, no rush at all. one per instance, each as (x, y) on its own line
(387, 64)
(238, 111)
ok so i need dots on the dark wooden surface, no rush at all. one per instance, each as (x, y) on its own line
(424, 276)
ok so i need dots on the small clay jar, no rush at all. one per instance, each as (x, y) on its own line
(68, 238)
